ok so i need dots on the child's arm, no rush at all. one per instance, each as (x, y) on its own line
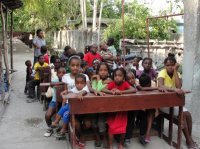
(129, 90)
(63, 93)
(107, 91)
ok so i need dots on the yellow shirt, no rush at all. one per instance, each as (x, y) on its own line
(168, 81)
(37, 65)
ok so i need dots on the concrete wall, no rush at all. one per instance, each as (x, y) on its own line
(76, 39)
(191, 62)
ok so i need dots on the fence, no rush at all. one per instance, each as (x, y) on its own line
(75, 38)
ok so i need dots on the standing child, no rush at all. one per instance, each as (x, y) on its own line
(44, 52)
(99, 82)
(147, 65)
(117, 122)
(52, 105)
(28, 75)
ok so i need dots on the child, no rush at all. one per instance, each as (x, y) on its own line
(52, 105)
(145, 84)
(147, 65)
(169, 80)
(69, 79)
(31, 87)
(28, 75)
(45, 54)
(118, 120)
(80, 90)
(95, 63)
(99, 82)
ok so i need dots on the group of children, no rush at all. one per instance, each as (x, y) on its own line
(100, 78)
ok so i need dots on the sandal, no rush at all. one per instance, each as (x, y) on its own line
(48, 133)
(81, 145)
(97, 144)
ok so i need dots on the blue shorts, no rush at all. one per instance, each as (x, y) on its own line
(52, 104)
(64, 113)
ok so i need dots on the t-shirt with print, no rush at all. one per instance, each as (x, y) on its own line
(168, 81)
(75, 90)
(70, 81)
(124, 86)
(39, 42)
(152, 73)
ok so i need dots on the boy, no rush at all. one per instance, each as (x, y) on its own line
(31, 87)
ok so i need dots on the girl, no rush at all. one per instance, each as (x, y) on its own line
(52, 105)
(169, 80)
(99, 82)
(69, 78)
(147, 65)
(117, 122)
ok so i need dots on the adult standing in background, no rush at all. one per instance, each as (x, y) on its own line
(111, 47)
(38, 42)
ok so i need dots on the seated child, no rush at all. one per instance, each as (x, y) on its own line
(80, 90)
(52, 105)
(117, 122)
(28, 75)
(31, 87)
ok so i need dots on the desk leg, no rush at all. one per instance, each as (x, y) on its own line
(180, 119)
(73, 132)
(170, 131)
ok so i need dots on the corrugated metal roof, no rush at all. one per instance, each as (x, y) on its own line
(12, 4)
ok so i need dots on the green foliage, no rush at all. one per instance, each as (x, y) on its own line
(135, 25)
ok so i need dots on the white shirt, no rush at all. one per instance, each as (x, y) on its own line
(71, 81)
(75, 90)
(39, 42)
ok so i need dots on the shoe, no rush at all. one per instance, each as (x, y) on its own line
(31, 100)
(49, 132)
(142, 140)
(147, 139)
(30, 96)
(127, 143)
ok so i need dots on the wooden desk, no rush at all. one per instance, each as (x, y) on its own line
(115, 103)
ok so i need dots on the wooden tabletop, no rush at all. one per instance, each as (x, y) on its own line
(113, 103)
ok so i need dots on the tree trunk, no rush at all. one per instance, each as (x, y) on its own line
(94, 15)
(83, 13)
(99, 28)
(5, 45)
(11, 40)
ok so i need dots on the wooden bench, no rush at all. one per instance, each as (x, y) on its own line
(112, 103)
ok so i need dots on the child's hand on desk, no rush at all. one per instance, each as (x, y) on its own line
(162, 89)
(99, 93)
(116, 92)
(80, 96)
(179, 91)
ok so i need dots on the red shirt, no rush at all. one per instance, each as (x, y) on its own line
(124, 86)
(89, 57)
(46, 58)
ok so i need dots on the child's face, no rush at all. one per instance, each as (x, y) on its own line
(103, 72)
(169, 66)
(94, 49)
(60, 73)
(29, 64)
(41, 60)
(75, 66)
(80, 83)
(131, 79)
(118, 77)
(95, 64)
(135, 61)
(57, 63)
(147, 65)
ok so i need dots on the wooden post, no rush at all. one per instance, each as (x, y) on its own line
(11, 40)
(5, 46)
(6, 22)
